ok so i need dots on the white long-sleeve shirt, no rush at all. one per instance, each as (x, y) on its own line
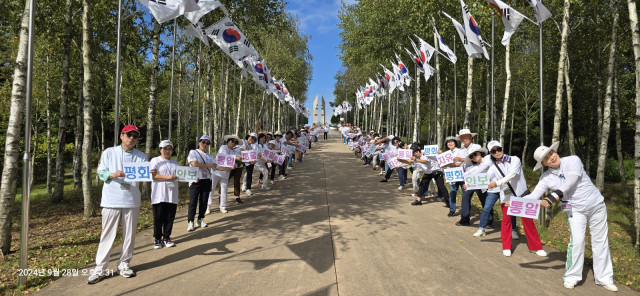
(116, 192)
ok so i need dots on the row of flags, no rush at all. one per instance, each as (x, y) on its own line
(342, 108)
(470, 36)
(226, 35)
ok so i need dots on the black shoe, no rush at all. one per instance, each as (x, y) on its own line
(383, 180)
(451, 213)
(446, 205)
(463, 223)
(489, 226)
(416, 202)
(238, 200)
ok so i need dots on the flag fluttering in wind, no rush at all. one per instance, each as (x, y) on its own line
(415, 58)
(204, 7)
(443, 46)
(197, 30)
(511, 18)
(228, 37)
(166, 10)
(404, 71)
(542, 13)
(473, 50)
(472, 30)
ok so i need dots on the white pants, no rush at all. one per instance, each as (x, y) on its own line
(224, 182)
(414, 179)
(110, 219)
(602, 266)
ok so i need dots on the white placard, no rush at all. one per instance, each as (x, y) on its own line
(279, 159)
(404, 154)
(137, 171)
(225, 160)
(187, 174)
(302, 148)
(388, 155)
(477, 181)
(268, 154)
(249, 156)
(523, 207)
(393, 163)
(431, 150)
(445, 158)
(453, 175)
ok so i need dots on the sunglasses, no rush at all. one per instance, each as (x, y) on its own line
(476, 154)
(206, 143)
(132, 135)
(498, 149)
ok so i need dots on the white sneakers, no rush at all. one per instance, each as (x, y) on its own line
(248, 192)
(381, 173)
(481, 232)
(569, 285)
(224, 211)
(282, 177)
(507, 253)
(207, 212)
(201, 223)
(611, 287)
(514, 235)
(190, 227)
(540, 253)
(401, 187)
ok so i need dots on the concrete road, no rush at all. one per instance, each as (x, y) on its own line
(332, 229)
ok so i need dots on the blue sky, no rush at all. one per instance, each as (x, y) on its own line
(319, 19)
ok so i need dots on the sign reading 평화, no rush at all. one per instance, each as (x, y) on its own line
(137, 171)
(453, 175)
(431, 150)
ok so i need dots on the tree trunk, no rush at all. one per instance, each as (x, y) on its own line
(507, 90)
(606, 111)
(151, 110)
(487, 108)
(439, 117)
(467, 110)
(77, 155)
(49, 160)
(14, 129)
(237, 125)
(526, 129)
(225, 110)
(513, 113)
(64, 96)
(616, 111)
(569, 87)
(418, 120)
(560, 83)
(635, 37)
(89, 205)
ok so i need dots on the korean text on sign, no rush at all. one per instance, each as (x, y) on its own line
(302, 148)
(453, 175)
(249, 156)
(431, 150)
(523, 207)
(137, 171)
(393, 163)
(225, 160)
(268, 154)
(187, 174)
(477, 181)
(279, 159)
(404, 154)
(445, 158)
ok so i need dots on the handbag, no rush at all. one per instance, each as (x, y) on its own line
(526, 192)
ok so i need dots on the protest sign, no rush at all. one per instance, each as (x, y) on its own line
(453, 175)
(187, 174)
(249, 156)
(523, 207)
(225, 160)
(445, 158)
(477, 181)
(431, 150)
(137, 171)
(404, 154)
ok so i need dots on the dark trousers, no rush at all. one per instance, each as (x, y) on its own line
(282, 168)
(247, 184)
(465, 212)
(402, 176)
(387, 175)
(163, 215)
(236, 174)
(198, 193)
(438, 179)
(325, 135)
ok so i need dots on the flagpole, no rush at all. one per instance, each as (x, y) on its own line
(541, 89)
(173, 53)
(455, 88)
(26, 174)
(493, 18)
(116, 123)
(198, 129)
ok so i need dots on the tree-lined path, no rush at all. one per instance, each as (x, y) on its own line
(332, 230)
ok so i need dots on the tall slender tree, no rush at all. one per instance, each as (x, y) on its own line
(87, 145)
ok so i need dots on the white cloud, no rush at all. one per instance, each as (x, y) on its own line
(315, 15)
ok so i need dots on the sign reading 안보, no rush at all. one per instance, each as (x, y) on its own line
(477, 181)
(187, 174)
(225, 160)
(404, 154)
(445, 158)
(453, 175)
(523, 207)
(249, 156)
(431, 150)
(137, 171)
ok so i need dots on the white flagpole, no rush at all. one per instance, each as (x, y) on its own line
(26, 174)
(116, 123)
(493, 18)
(455, 88)
(173, 54)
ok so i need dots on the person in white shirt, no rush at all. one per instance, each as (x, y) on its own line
(431, 170)
(120, 202)
(236, 172)
(199, 190)
(222, 175)
(261, 163)
(164, 195)
(465, 136)
(247, 177)
(584, 205)
(452, 145)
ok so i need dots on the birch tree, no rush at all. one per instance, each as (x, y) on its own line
(560, 83)
(87, 145)
(11, 147)
(606, 111)
(507, 90)
(467, 109)
(635, 39)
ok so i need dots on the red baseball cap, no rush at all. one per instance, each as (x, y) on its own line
(129, 128)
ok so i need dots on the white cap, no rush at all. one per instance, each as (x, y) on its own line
(205, 137)
(165, 143)
(492, 144)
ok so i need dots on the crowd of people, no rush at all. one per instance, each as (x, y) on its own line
(120, 201)
(564, 177)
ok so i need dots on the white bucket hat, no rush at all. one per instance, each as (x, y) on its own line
(272, 142)
(541, 152)
(464, 131)
(227, 137)
(473, 150)
(492, 144)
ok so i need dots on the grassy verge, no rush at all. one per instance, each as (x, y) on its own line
(626, 260)
(59, 237)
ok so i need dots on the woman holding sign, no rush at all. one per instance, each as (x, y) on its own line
(249, 146)
(199, 190)
(583, 204)
(507, 181)
(164, 195)
(223, 171)
(452, 145)
(261, 163)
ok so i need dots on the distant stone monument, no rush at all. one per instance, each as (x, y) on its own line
(315, 110)
(323, 106)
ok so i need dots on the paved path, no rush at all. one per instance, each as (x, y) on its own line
(332, 229)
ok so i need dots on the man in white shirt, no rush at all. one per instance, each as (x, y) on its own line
(465, 136)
